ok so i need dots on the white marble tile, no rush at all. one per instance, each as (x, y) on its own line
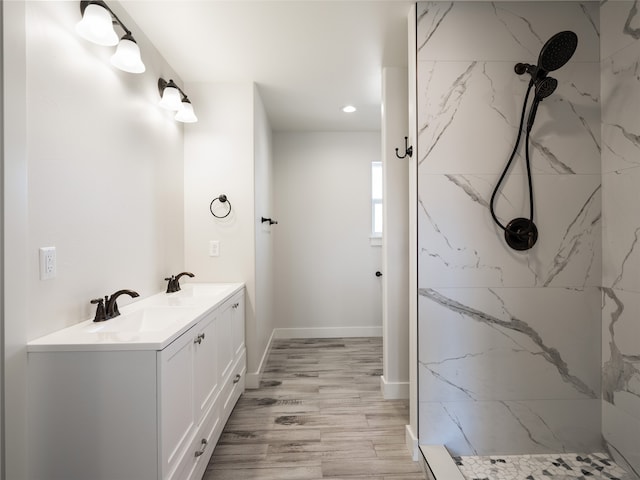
(620, 106)
(621, 351)
(488, 428)
(470, 113)
(514, 31)
(467, 117)
(620, 432)
(505, 344)
(621, 230)
(619, 24)
(460, 246)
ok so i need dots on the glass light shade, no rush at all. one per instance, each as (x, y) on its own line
(97, 26)
(171, 99)
(186, 113)
(127, 56)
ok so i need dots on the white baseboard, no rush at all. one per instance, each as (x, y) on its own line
(412, 443)
(327, 332)
(252, 379)
(394, 390)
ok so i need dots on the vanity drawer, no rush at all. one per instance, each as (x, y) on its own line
(234, 388)
(201, 447)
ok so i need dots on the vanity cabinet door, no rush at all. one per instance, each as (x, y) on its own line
(176, 401)
(224, 341)
(237, 311)
(205, 365)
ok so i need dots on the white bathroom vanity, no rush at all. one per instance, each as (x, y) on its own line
(142, 396)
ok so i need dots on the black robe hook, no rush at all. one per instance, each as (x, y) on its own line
(407, 150)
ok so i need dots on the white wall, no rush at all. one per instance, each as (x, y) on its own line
(228, 152)
(104, 169)
(325, 283)
(263, 186)
(1, 259)
(395, 245)
(15, 232)
(93, 168)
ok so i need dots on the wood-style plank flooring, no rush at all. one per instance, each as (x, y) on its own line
(318, 414)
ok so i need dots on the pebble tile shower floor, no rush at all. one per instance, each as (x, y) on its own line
(594, 466)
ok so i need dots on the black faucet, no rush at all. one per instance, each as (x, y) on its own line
(174, 281)
(111, 306)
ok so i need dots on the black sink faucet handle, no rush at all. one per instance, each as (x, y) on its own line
(100, 313)
(171, 286)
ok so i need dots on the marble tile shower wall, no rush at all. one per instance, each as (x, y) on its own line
(620, 53)
(509, 342)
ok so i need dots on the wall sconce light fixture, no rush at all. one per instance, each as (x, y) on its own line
(97, 27)
(172, 98)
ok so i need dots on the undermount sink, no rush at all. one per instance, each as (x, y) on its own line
(195, 290)
(193, 295)
(173, 300)
(150, 319)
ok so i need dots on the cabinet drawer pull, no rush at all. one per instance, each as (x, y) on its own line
(199, 339)
(204, 446)
(235, 305)
(237, 379)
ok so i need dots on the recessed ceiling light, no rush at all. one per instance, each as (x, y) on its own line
(349, 109)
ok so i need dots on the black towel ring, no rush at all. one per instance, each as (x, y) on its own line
(222, 199)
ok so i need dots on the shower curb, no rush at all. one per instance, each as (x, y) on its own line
(438, 464)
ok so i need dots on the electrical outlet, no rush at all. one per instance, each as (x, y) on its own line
(47, 263)
(214, 248)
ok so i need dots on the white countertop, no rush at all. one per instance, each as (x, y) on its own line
(148, 324)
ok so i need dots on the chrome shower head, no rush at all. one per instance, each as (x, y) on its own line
(557, 51)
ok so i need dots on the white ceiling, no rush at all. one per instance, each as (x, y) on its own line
(308, 57)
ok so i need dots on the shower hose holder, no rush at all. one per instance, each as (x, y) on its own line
(521, 234)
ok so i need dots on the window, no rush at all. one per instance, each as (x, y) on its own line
(376, 199)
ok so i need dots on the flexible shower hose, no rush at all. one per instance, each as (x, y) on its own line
(511, 158)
